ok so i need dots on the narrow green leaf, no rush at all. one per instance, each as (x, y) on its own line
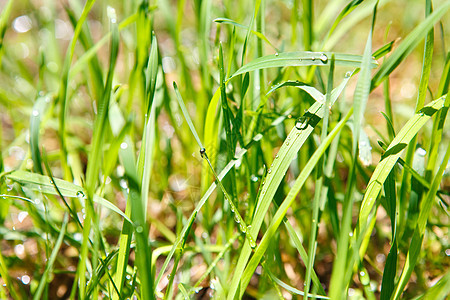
(304, 58)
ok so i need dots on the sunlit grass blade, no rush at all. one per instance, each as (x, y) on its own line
(416, 241)
(388, 161)
(62, 94)
(244, 279)
(296, 59)
(319, 184)
(294, 141)
(208, 193)
(408, 44)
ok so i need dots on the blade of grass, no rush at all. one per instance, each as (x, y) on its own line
(294, 141)
(301, 58)
(416, 241)
(43, 184)
(423, 85)
(388, 161)
(208, 193)
(287, 202)
(318, 185)
(62, 94)
(51, 260)
(408, 45)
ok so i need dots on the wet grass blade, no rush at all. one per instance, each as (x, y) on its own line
(294, 141)
(296, 59)
(416, 241)
(389, 159)
(208, 193)
(287, 202)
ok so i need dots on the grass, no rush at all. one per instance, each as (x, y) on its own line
(263, 149)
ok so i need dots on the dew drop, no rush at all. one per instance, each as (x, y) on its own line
(254, 178)
(362, 273)
(243, 228)
(350, 233)
(35, 112)
(252, 243)
(270, 171)
(348, 74)
(203, 152)
(313, 58)
(139, 229)
(276, 156)
(26, 279)
(421, 152)
(124, 146)
(80, 194)
(301, 123)
(324, 58)
(276, 54)
(236, 219)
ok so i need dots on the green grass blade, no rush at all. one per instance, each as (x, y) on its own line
(296, 138)
(390, 158)
(318, 184)
(208, 193)
(287, 202)
(301, 58)
(51, 260)
(35, 122)
(416, 241)
(43, 184)
(257, 34)
(408, 44)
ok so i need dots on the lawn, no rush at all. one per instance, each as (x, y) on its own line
(200, 149)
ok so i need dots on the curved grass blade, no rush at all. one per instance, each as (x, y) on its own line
(408, 45)
(257, 34)
(244, 279)
(416, 241)
(296, 138)
(43, 184)
(301, 58)
(291, 289)
(208, 193)
(388, 161)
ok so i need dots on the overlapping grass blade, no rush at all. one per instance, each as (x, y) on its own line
(296, 138)
(416, 241)
(51, 260)
(388, 161)
(208, 193)
(43, 184)
(287, 202)
(408, 44)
